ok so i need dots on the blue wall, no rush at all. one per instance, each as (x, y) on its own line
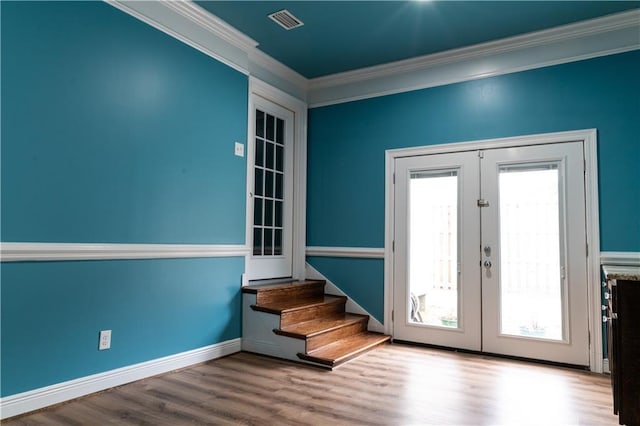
(114, 132)
(347, 143)
(361, 279)
(52, 312)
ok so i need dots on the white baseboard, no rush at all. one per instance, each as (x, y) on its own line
(605, 366)
(39, 398)
(352, 306)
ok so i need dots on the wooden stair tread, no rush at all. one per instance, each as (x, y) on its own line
(254, 289)
(269, 294)
(320, 325)
(345, 349)
(279, 307)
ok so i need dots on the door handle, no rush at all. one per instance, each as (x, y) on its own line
(487, 264)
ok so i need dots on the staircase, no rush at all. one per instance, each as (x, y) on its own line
(298, 321)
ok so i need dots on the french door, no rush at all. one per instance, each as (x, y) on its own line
(270, 198)
(490, 251)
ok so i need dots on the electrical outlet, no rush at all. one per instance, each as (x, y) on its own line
(239, 150)
(105, 340)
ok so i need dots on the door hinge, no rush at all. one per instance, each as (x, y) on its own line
(393, 246)
(392, 314)
(394, 178)
(587, 246)
(483, 203)
(480, 154)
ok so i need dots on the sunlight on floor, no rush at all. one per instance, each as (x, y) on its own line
(545, 398)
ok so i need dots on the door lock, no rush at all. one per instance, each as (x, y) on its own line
(487, 264)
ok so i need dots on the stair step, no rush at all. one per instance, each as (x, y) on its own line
(344, 349)
(320, 325)
(323, 331)
(286, 306)
(295, 311)
(293, 290)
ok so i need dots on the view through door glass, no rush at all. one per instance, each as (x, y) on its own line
(433, 263)
(531, 295)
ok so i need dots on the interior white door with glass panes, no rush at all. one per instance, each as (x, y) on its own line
(270, 199)
(490, 251)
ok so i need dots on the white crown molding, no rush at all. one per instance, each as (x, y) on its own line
(620, 258)
(198, 28)
(583, 40)
(544, 37)
(161, 16)
(271, 71)
(353, 252)
(212, 23)
(25, 402)
(19, 252)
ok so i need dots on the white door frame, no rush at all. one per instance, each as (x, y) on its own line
(299, 109)
(589, 139)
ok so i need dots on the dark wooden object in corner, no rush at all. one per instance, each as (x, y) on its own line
(623, 288)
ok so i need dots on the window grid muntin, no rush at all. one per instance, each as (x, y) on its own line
(268, 226)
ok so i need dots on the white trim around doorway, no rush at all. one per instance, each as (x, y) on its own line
(589, 139)
(299, 108)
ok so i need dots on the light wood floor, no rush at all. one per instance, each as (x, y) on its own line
(392, 385)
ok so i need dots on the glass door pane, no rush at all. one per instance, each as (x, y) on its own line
(433, 248)
(268, 200)
(531, 292)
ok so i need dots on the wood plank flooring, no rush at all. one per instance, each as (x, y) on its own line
(392, 385)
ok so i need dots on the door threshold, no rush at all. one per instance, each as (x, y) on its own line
(494, 355)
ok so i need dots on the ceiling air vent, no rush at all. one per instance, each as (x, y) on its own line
(286, 20)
